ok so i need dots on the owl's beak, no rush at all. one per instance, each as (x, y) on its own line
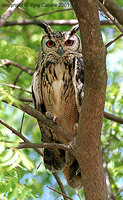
(60, 50)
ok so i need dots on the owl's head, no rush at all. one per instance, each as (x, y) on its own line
(60, 42)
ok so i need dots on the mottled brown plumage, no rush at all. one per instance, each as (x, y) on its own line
(57, 88)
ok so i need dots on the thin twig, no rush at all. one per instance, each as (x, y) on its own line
(39, 165)
(19, 135)
(59, 193)
(119, 190)
(110, 16)
(112, 41)
(16, 87)
(43, 145)
(9, 62)
(112, 196)
(48, 13)
(17, 77)
(78, 195)
(21, 13)
(22, 122)
(9, 11)
(70, 22)
(100, 12)
(60, 184)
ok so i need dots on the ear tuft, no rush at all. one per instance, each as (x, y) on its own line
(46, 28)
(74, 29)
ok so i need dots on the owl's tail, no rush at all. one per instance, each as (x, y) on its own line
(73, 175)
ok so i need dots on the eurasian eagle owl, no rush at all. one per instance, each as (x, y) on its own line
(57, 89)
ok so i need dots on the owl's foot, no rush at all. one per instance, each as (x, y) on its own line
(75, 129)
(55, 119)
(49, 115)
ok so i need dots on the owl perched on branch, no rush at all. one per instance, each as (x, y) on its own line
(57, 90)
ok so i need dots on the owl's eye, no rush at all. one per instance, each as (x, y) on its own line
(50, 43)
(69, 42)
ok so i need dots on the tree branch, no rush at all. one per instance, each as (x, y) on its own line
(9, 11)
(114, 9)
(50, 22)
(112, 41)
(119, 190)
(17, 77)
(19, 135)
(43, 145)
(40, 152)
(43, 14)
(29, 100)
(16, 87)
(112, 197)
(9, 62)
(22, 120)
(110, 16)
(106, 115)
(59, 193)
(63, 135)
(113, 118)
(60, 184)
(105, 22)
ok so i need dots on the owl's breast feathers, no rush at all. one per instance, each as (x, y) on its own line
(58, 89)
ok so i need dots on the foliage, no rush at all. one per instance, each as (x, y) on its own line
(19, 177)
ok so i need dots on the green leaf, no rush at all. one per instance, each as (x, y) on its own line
(26, 162)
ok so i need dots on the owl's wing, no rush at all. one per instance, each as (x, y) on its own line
(78, 81)
(54, 159)
(36, 90)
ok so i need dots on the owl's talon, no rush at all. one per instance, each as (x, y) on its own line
(48, 115)
(55, 119)
(75, 129)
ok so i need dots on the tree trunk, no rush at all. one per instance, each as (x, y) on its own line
(87, 146)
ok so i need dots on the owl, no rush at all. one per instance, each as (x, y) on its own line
(57, 90)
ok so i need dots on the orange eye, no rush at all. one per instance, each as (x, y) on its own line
(69, 42)
(50, 43)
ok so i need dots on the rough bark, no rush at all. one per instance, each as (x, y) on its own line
(87, 147)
